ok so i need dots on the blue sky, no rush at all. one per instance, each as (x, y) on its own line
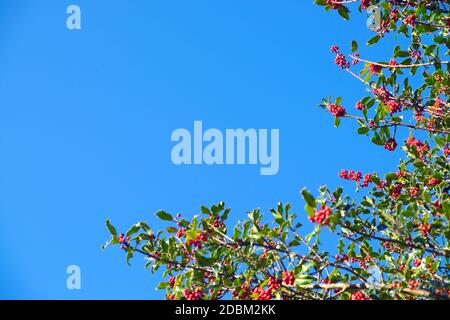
(86, 118)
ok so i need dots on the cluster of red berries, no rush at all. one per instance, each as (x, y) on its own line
(381, 185)
(390, 144)
(356, 176)
(394, 106)
(393, 64)
(288, 278)
(424, 229)
(401, 173)
(355, 57)
(362, 261)
(438, 109)
(193, 295)
(413, 191)
(366, 180)
(394, 14)
(420, 146)
(262, 295)
(274, 284)
(432, 181)
(397, 190)
(334, 49)
(351, 175)
(218, 224)
(359, 106)
(321, 216)
(181, 232)
(447, 152)
(340, 259)
(413, 284)
(242, 292)
(391, 247)
(198, 241)
(375, 68)
(337, 111)
(417, 263)
(382, 93)
(171, 282)
(123, 240)
(410, 20)
(341, 61)
(365, 4)
(358, 295)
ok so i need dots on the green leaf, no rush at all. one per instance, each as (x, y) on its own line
(309, 199)
(162, 286)
(309, 210)
(403, 54)
(337, 122)
(354, 46)
(344, 12)
(446, 207)
(320, 2)
(133, 230)
(129, 257)
(111, 228)
(363, 130)
(376, 180)
(164, 216)
(378, 142)
(171, 229)
(203, 261)
(373, 40)
(205, 210)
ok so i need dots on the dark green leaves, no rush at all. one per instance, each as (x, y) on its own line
(309, 199)
(373, 40)
(344, 12)
(354, 46)
(363, 130)
(164, 216)
(111, 228)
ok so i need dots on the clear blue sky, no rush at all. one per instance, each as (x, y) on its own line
(86, 118)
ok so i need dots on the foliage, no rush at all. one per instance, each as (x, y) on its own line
(392, 243)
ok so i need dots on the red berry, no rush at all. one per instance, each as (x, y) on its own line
(410, 20)
(359, 106)
(394, 106)
(181, 232)
(358, 296)
(321, 216)
(288, 278)
(172, 282)
(335, 4)
(337, 111)
(375, 68)
(334, 49)
(424, 229)
(341, 61)
(390, 144)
